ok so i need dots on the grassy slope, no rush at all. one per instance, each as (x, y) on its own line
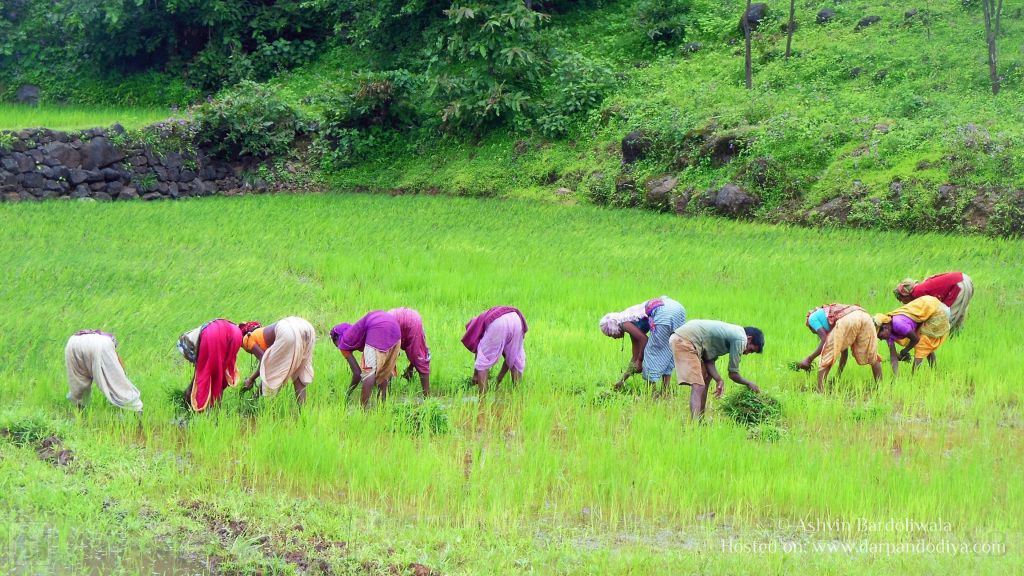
(811, 117)
(549, 477)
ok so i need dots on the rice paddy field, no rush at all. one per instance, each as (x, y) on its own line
(16, 117)
(920, 474)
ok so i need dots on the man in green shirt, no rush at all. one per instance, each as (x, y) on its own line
(698, 343)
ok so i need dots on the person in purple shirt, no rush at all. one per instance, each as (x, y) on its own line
(377, 336)
(414, 344)
(497, 333)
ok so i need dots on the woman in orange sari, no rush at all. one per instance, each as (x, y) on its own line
(842, 328)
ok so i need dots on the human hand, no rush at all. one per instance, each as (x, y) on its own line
(753, 388)
(719, 389)
(804, 364)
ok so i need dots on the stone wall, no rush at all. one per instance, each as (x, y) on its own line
(102, 164)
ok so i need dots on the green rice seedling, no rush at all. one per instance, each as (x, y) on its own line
(767, 432)
(751, 410)
(868, 412)
(176, 399)
(537, 462)
(27, 430)
(416, 418)
(249, 402)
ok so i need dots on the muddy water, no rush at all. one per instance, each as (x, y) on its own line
(47, 550)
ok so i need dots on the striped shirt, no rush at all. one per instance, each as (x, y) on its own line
(665, 319)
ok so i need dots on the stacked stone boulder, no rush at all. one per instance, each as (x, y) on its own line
(41, 164)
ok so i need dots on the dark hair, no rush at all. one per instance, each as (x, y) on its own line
(757, 336)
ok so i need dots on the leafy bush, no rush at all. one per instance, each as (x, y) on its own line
(575, 85)
(68, 46)
(752, 410)
(249, 120)
(487, 63)
(353, 124)
(663, 21)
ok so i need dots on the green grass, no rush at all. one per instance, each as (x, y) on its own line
(554, 477)
(14, 117)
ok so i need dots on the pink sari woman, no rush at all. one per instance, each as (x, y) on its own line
(216, 364)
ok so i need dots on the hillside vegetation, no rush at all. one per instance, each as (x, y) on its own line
(885, 122)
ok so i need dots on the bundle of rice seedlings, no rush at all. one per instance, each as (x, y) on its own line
(176, 398)
(414, 419)
(28, 430)
(435, 417)
(751, 410)
(249, 404)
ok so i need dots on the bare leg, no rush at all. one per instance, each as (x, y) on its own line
(931, 360)
(382, 390)
(480, 379)
(517, 377)
(698, 399)
(842, 362)
(876, 371)
(917, 362)
(368, 383)
(502, 373)
(822, 375)
(425, 381)
(300, 392)
(664, 384)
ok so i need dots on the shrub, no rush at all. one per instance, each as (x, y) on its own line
(249, 120)
(487, 64)
(575, 85)
(663, 21)
(353, 124)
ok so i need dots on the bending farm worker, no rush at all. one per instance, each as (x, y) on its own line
(698, 344)
(378, 336)
(90, 356)
(498, 332)
(414, 344)
(841, 328)
(215, 347)
(665, 316)
(921, 326)
(954, 289)
(634, 322)
(285, 351)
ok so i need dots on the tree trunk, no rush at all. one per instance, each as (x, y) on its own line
(993, 11)
(746, 35)
(789, 29)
